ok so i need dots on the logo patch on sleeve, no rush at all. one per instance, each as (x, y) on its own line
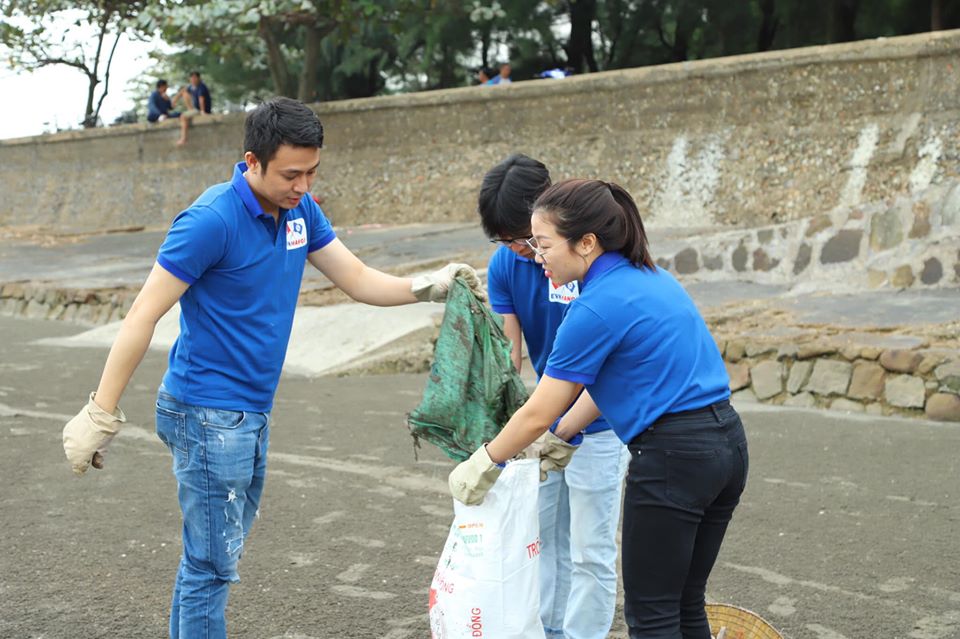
(563, 294)
(296, 234)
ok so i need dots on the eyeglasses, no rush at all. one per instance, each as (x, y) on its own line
(539, 252)
(507, 241)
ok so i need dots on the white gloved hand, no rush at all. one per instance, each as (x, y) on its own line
(555, 453)
(471, 480)
(434, 287)
(86, 436)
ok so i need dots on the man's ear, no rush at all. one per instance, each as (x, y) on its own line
(251, 160)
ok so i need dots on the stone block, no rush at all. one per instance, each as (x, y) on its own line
(901, 361)
(850, 352)
(787, 351)
(69, 313)
(870, 352)
(846, 405)
(767, 379)
(875, 278)
(799, 374)
(810, 350)
(902, 277)
(929, 362)
(739, 259)
(763, 262)
(949, 376)
(874, 409)
(867, 381)
(745, 396)
(829, 377)
(905, 391)
(932, 271)
(817, 224)
(921, 221)
(663, 263)
(736, 349)
(886, 230)
(713, 262)
(842, 247)
(803, 400)
(739, 375)
(36, 310)
(943, 407)
(802, 261)
(753, 349)
(686, 262)
(765, 236)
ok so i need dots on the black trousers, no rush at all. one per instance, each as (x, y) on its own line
(686, 474)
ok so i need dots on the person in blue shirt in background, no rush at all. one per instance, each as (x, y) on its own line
(635, 340)
(234, 261)
(199, 93)
(579, 506)
(160, 107)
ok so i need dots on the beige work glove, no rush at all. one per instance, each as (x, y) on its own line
(433, 287)
(554, 453)
(471, 480)
(86, 436)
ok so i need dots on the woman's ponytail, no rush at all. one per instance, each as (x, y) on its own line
(635, 247)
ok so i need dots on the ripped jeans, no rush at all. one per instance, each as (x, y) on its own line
(219, 460)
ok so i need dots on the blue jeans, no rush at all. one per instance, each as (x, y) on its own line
(220, 461)
(687, 472)
(578, 563)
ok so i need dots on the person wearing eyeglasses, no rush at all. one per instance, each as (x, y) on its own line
(635, 340)
(579, 507)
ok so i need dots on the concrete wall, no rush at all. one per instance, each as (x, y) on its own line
(749, 140)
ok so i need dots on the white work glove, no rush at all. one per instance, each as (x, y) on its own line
(471, 480)
(434, 287)
(554, 453)
(86, 436)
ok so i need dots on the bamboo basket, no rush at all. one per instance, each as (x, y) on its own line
(739, 623)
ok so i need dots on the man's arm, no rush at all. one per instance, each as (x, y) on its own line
(202, 99)
(159, 293)
(514, 332)
(359, 281)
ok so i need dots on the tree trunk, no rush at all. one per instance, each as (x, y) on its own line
(936, 15)
(93, 79)
(580, 46)
(768, 25)
(843, 18)
(306, 91)
(275, 60)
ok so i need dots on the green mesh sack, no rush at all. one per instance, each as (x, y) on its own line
(473, 387)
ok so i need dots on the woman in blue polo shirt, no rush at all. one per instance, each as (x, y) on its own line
(635, 340)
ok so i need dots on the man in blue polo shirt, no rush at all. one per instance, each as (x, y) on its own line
(234, 260)
(578, 574)
(199, 93)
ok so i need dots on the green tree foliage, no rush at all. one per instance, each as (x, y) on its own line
(32, 36)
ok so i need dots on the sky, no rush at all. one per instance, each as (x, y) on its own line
(55, 96)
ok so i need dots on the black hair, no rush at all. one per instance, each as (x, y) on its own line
(280, 121)
(161, 83)
(195, 73)
(507, 195)
(578, 207)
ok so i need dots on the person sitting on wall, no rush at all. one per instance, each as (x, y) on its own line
(503, 77)
(485, 76)
(199, 93)
(160, 107)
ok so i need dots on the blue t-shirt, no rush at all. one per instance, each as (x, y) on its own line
(636, 340)
(518, 286)
(244, 277)
(157, 105)
(195, 93)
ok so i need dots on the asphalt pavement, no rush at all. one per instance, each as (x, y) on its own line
(848, 527)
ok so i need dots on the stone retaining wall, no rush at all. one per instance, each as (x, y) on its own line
(906, 241)
(741, 141)
(851, 373)
(77, 306)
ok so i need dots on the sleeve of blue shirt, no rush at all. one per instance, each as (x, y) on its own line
(581, 347)
(498, 286)
(321, 231)
(197, 240)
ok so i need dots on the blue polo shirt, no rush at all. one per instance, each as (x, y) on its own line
(636, 340)
(244, 272)
(518, 286)
(196, 92)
